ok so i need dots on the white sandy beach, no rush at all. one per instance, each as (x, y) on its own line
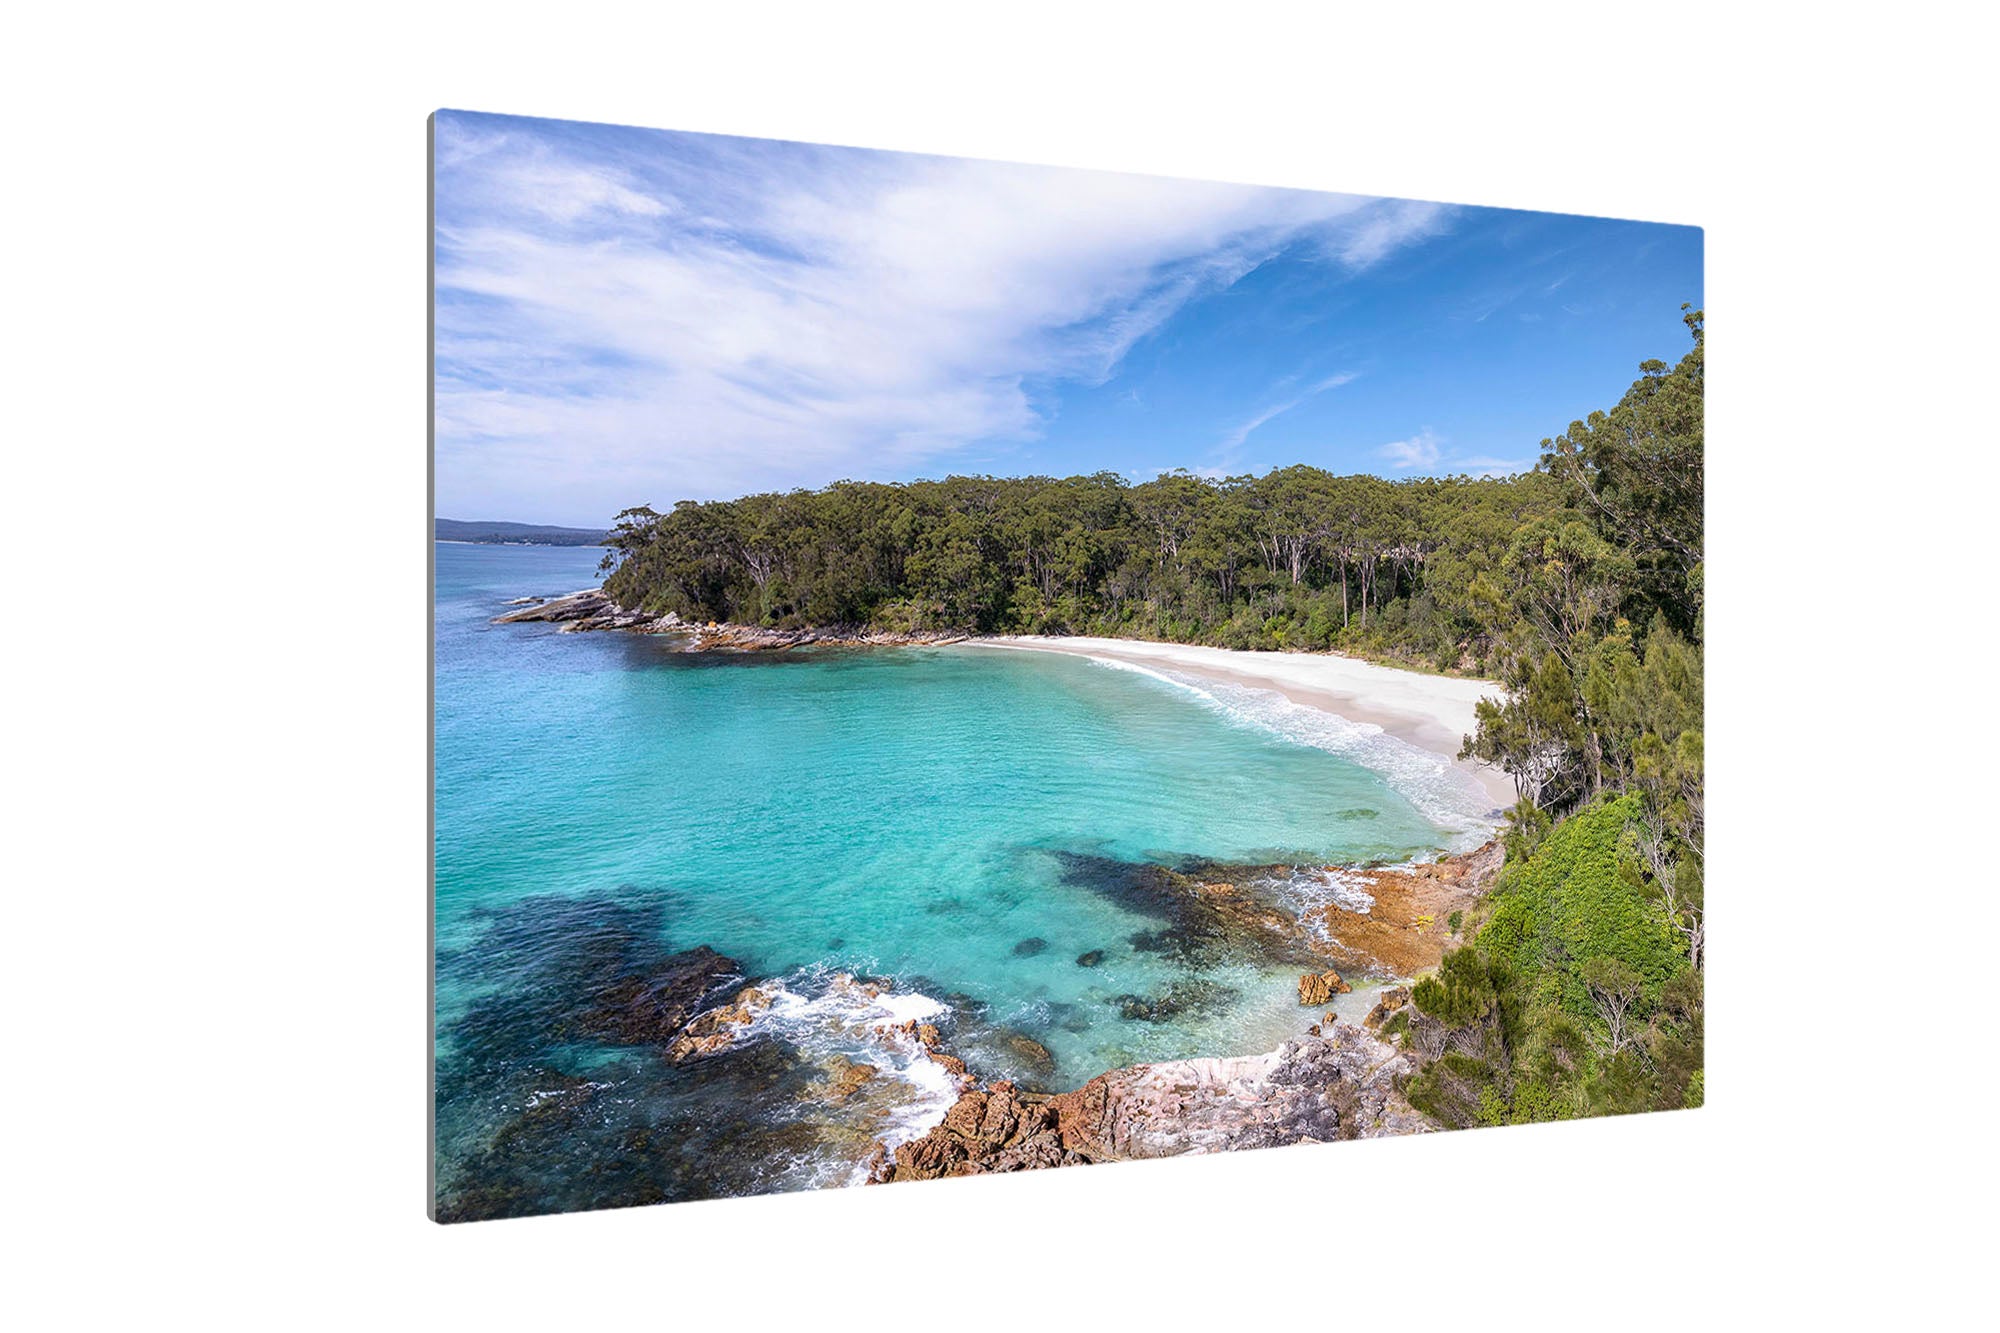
(1434, 713)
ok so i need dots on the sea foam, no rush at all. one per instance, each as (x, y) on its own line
(1442, 792)
(824, 1013)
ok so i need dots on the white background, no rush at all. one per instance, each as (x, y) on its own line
(214, 420)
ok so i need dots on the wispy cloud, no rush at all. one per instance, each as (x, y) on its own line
(628, 316)
(1424, 453)
(1231, 446)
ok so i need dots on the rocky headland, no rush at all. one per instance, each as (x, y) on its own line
(591, 609)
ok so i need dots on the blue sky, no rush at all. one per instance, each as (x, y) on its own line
(631, 316)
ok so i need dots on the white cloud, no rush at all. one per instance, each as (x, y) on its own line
(700, 317)
(1425, 452)
(1419, 451)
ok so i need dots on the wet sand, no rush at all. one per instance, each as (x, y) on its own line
(1434, 713)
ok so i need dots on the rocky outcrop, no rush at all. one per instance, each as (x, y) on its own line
(1316, 988)
(995, 1128)
(718, 1029)
(1406, 927)
(756, 638)
(1342, 1085)
(593, 609)
(588, 610)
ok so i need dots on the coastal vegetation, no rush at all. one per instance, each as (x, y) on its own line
(1296, 559)
(1578, 584)
(1580, 991)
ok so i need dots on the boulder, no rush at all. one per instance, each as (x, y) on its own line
(1316, 988)
(1386, 1003)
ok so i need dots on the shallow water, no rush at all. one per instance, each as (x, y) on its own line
(963, 821)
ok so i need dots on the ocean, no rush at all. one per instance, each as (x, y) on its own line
(959, 825)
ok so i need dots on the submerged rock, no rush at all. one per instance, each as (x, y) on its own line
(1204, 920)
(1033, 1055)
(1187, 996)
(844, 1078)
(1031, 946)
(653, 1008)
(1090, 959)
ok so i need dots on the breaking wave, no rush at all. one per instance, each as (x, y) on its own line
(1443, 793)
(831, 1016)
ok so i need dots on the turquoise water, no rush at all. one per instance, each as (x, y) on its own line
(954, 819)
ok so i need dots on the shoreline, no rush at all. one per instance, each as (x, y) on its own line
(1432, 713)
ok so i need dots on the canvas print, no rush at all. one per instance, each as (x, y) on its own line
(946, 667)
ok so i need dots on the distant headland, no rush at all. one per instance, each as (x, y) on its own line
(516, 534)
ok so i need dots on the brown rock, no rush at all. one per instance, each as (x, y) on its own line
(717, 1029)
(1033, 1054)
(844, 1078)
(1002, 1113)
(1401, 932)
(1316, 988)
(1387, 1003)
(965, 1115)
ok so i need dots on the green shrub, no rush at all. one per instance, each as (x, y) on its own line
(1567, 903)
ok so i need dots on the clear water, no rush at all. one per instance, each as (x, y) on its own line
(921, 814)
